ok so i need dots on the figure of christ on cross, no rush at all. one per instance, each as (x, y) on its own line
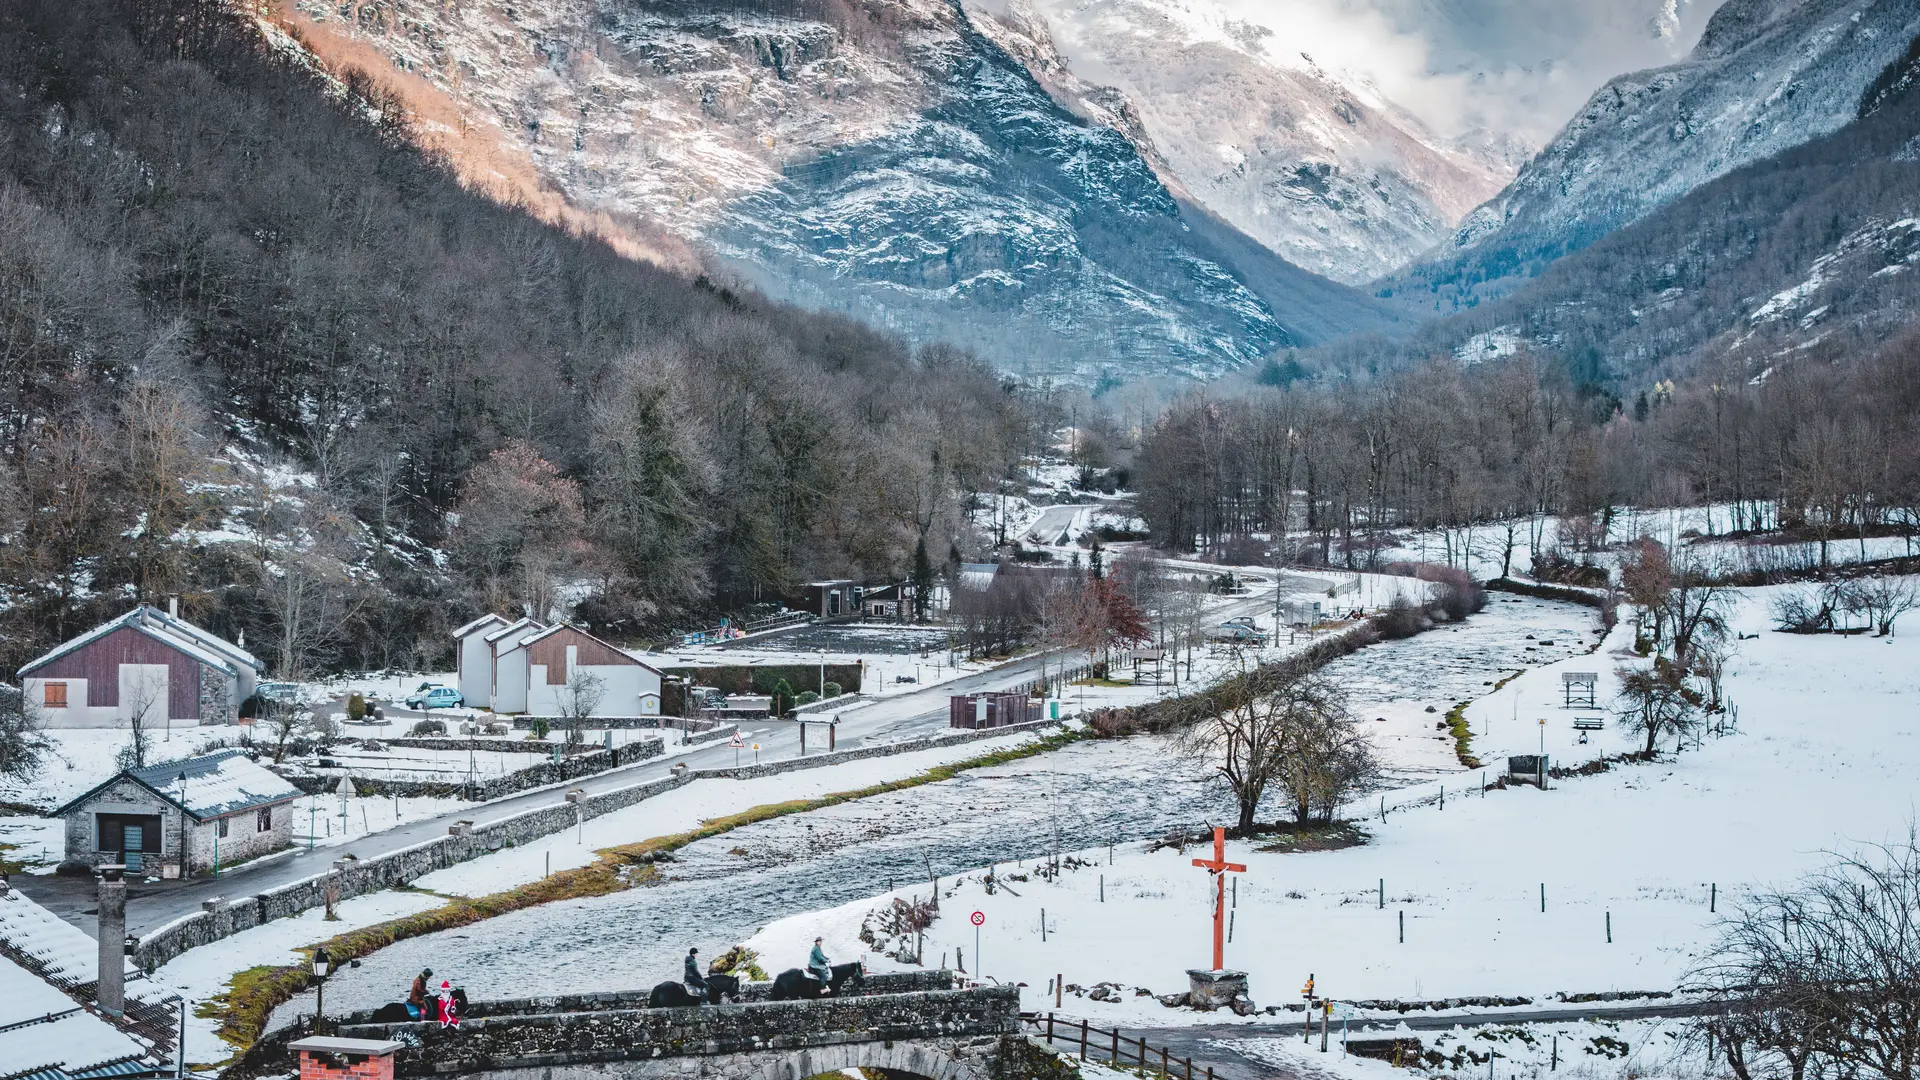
(1219, 867)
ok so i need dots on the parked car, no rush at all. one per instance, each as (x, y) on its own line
(434, 696)
(284, 693)
(1237, 632)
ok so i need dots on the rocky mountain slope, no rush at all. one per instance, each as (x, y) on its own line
(1810, 253)
(1766, 75)
(1324, 170)
(876, 157)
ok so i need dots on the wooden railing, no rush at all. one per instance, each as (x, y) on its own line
(1119, 1051)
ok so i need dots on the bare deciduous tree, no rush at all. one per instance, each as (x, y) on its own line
(1821, 979)
(22, 741)
(578, 700)
(1656, 701)
(1278, 725)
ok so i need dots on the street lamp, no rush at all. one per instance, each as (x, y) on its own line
(182, 779)
(322, 963)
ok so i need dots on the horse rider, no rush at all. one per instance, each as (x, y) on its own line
(696, 982)
(417, 995)
(818, 967)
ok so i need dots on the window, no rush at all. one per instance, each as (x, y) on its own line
(220, 828)
(263, 819)
(53, 695)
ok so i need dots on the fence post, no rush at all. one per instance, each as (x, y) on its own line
(1083, 1040)
(1113, 1054)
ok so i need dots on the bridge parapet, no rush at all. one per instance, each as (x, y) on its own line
(491, 1044)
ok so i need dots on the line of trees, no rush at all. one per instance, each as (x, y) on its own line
(1323, 470)
(259, 351)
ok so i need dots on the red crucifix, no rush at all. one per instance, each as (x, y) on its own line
(1219, 867)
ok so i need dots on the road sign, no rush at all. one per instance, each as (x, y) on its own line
(737, 742)
(979, 918)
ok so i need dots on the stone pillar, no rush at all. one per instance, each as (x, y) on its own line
(112, 931)
(1218, 990)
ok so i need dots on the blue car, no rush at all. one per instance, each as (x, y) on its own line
(435, 697)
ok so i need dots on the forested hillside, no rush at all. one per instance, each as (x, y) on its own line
(258, 351)
(1816, 243)
(1325, 470)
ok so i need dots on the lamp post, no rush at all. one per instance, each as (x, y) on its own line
(182, 780)
(322, 963)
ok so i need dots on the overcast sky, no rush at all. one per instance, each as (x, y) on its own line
(1514, 67)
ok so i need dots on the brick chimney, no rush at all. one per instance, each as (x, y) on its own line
(324, 1057)
(112, 931)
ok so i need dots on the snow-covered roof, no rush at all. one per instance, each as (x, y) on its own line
(516, 626)
(218, 784)
(557, 627)
(43, 1032)
(484, 620)
(978, 575)
(205, 638)
(57, 950)
(175, 633)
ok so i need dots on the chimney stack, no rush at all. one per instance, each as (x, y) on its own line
(173, 607)
(112, 930)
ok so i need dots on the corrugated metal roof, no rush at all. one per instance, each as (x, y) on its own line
(478, 623)
(130, 1067)
(71, 1040)
(56, 950)
(217, 784)
(180, 634)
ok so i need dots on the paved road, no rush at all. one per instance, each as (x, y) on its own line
(1203, 1043)
(1054, 522)
(887, 719)
(918, 712)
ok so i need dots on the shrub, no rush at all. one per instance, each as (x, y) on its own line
(1402, 619)
(356, 708)
(806, 697)
(782, 698)
(832, 689)
(540, 729)
(428, 727)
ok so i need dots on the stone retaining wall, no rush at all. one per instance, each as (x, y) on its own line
(651, 1034)
(569, 767)
(925, 742)
(394, 869)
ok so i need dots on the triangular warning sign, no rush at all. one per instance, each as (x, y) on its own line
(737, 743)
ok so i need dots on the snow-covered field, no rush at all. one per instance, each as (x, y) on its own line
(1087, 794)
(1581, 1050)
(1823, 759)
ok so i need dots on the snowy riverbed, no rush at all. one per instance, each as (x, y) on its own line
(724, 890)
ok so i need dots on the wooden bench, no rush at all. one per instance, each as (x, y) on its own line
(1589, 723)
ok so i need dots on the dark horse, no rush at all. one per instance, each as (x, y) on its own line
(396, 1012)
(794, 984)
(675, 995)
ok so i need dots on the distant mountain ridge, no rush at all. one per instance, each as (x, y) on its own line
(1813, 252)
(1767, 75)
(885, 160)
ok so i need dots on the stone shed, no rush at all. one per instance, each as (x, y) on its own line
(224, 806)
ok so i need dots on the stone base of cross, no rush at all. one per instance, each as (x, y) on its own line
(1219, 867)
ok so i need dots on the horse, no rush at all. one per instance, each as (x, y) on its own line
(395, 1012)
(796, 985)
(674, 995)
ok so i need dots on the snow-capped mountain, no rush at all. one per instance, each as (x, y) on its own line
(1765, 76)
(1323, 170)
(1350, 136)
(878, 157)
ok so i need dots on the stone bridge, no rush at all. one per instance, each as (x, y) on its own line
(913, 1025)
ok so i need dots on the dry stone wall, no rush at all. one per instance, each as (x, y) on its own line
(982, 1015)
(357, 877)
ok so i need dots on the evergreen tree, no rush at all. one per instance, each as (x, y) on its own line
(922, 580)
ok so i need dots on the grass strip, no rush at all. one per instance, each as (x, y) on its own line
(1462, 732)
(251, 995)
